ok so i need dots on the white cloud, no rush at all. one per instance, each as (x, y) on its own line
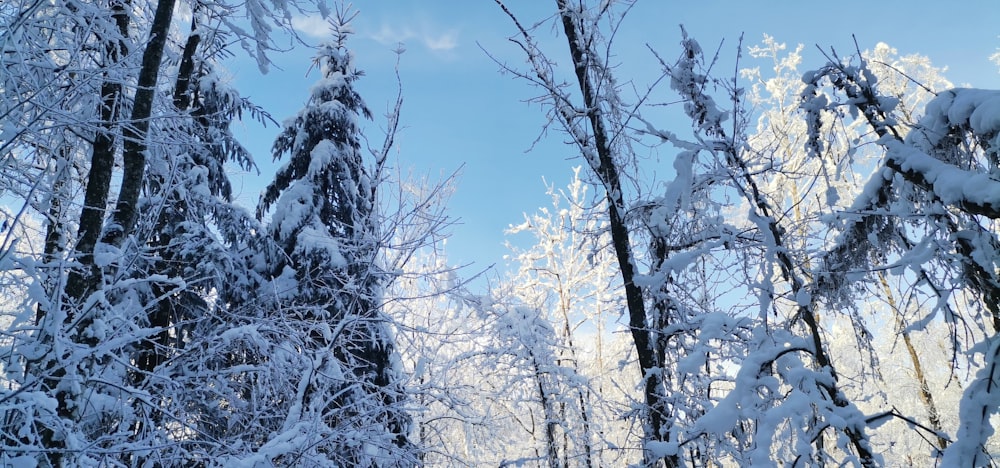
(312, 26)
(429, 36)
(422, 32)
(445, 41)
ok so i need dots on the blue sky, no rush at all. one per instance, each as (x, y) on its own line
(461, 112)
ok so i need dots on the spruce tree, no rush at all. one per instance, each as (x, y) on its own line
(325, 221)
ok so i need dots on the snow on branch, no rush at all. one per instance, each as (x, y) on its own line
(926, 156)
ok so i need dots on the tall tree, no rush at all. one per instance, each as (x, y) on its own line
(814, 187)
(325, 222)
(595, 129)
(569, 277)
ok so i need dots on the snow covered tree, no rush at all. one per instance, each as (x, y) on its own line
(812, 188)
(806, 369)
(595, 128)
(568, 276)
(329, 277)
(436, 337)
(555, 391)
(58, 38)
(928, 206)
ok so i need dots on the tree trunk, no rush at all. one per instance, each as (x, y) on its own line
(564, 308)
(55, 231)
(607, 171)
(151, 352)
(82, 281)
(551, 451)
(925, 391)
(135, 145)
(182, 96)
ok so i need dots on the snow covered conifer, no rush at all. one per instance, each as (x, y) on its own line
(329, 278)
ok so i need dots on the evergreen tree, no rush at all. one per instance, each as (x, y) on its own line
(325, 223)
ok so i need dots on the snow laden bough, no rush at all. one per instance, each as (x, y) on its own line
(933, 202)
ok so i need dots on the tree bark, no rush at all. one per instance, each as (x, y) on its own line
(83, 280)
(135, 145)
(182, 98)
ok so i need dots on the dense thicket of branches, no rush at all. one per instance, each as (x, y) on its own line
(748, 319)
(816, 282)
(159, 323)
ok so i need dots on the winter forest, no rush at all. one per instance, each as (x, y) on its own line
(809, 277)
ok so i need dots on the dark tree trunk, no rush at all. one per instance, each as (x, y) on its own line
(55, 230)
(182, 97)
(135, 145)
(82, 281)
(607, 171)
